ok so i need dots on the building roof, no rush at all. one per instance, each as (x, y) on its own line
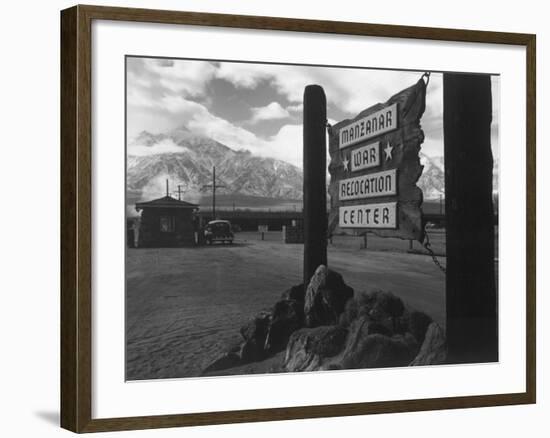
(165, 202)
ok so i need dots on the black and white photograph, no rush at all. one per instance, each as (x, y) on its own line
(275, 219)
(300, 218)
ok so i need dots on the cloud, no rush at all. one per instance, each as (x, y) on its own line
(286, 145)
(164, 146)
(243, 75)
(349, 89)
(162, 76)
(352, 90)
(175, 111)
(162, 108)
(273, 111)
(163, 95)
(299, 107)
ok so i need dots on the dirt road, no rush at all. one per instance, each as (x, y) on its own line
(184, 306)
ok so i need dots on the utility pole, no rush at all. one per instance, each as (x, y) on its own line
(213, 186)
(179, 192)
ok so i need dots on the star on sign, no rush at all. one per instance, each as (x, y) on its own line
(388, 151)
(345, 161)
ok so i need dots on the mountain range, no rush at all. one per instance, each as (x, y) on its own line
(249, 180)
(187, 160)
(432, 180)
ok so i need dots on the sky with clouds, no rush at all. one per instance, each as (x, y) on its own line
(258, 107)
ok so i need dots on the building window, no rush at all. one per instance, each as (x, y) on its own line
(167, 224)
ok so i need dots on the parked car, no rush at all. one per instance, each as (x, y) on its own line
(218, 231)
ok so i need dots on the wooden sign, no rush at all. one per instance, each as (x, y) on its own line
(375, 166)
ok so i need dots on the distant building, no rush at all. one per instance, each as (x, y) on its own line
(165, 222)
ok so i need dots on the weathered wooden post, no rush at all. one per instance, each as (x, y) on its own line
(472, 330)
(315, 164)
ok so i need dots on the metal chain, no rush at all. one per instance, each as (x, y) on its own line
(427, 76)
(428, 245)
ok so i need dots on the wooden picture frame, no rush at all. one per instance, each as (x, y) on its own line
(76, 217)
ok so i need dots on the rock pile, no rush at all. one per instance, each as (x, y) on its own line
(324, 327)
(326, 297)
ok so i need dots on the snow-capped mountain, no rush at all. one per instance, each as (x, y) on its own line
(187, 160)
(432, 180)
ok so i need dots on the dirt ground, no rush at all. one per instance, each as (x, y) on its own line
(184, 306)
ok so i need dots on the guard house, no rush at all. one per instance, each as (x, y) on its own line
(166, 222)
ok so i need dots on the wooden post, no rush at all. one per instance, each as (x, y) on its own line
(472, 322)
(315, 163)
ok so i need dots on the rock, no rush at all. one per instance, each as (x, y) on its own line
(297, 293)
(350, 313)
(377, 351)
(325, 298)
(373, 343)
(416, 323)
(434, 347)
(287, 317)
(330, 367)
(378, 305)
(309, 348)
(254, 334)
(250, 352)
(381, 328)
(364, 326)
(385, 304)
(226, 360)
